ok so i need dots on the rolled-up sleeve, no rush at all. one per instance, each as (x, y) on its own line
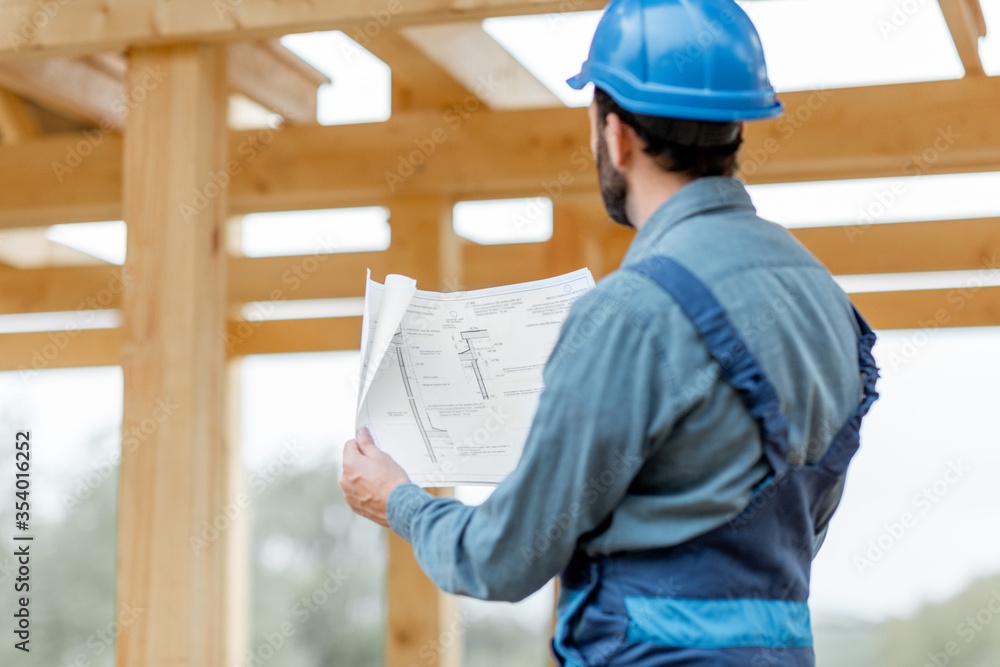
(604, 386)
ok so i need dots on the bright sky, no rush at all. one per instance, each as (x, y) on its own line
(940, 391)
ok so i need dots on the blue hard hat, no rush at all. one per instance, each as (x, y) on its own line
(693, 59)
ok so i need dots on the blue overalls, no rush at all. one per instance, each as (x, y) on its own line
(736, 595)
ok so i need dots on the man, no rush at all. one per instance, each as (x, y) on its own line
(701, 405)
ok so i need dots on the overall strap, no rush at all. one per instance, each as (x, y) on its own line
(848, 438)
(739, 367)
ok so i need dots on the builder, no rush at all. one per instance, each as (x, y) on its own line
(701, 405)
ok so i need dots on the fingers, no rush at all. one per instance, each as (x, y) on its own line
(365, 440)
(351, 452)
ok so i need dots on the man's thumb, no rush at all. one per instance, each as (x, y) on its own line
(364, 438)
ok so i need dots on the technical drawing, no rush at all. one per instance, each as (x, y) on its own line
(417, 407)
(471, 360)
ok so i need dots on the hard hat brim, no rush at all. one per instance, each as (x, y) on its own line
(578, 81)
(734, 106)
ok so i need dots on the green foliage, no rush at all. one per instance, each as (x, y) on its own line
(318, 575)
(72, 601)
(961, 632)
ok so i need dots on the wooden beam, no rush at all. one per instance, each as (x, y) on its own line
(474, 58)
(312, 335)
(320, 276)
(92, 88)
(420, 615)
(849, 133)
(968, 306)
(93, 26)
(417, 81)
(72, 87)
(967, 24)
(31, 352)
(17, 123)
(938, 127)
(60, 289)
(946, 245)
(416, 249)
(74, 177)
(72, 348)
(277, 79)
(176, 467)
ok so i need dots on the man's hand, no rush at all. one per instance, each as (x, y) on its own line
(369, 477)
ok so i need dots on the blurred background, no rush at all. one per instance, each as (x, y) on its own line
(887, 590)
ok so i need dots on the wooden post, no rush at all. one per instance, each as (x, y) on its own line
(424, 627)
(175, 536)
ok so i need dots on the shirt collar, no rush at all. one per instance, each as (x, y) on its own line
(693, 199)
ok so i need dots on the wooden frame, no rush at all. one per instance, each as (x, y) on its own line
(447, 140)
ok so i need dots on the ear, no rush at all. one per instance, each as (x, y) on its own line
(592, 114)
(620, 138)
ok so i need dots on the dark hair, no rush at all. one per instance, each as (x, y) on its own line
(678, 145)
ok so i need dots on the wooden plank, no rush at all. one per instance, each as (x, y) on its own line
(967, 24)
(475, 59)
(970, 306)
(583, 237)
(421, 618)
(17, 123)
(72, 87)
(313, 335)
(74, 177)
(95, 26)
(938, 127)
(416, 242)
(177, 456)
(947, 245)
(32, 352)
(902, 130)
(417, 81)
(320, 276)
(275, 78)
(72, 348)
(91, 89)
(419, 613)
(492, 265)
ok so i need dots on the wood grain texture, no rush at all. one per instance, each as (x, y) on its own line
(177, 455)
(96, 26)
(938, 127)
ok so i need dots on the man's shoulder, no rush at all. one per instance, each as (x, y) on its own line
(622, 298)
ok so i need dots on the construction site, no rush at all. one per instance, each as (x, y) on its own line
(191, 194)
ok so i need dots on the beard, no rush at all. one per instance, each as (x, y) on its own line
(614, 187)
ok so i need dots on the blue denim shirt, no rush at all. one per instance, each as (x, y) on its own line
(638, 442)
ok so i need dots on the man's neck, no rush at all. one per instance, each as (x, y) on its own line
(648, 194)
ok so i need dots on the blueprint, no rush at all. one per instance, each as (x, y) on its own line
(449, 383)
